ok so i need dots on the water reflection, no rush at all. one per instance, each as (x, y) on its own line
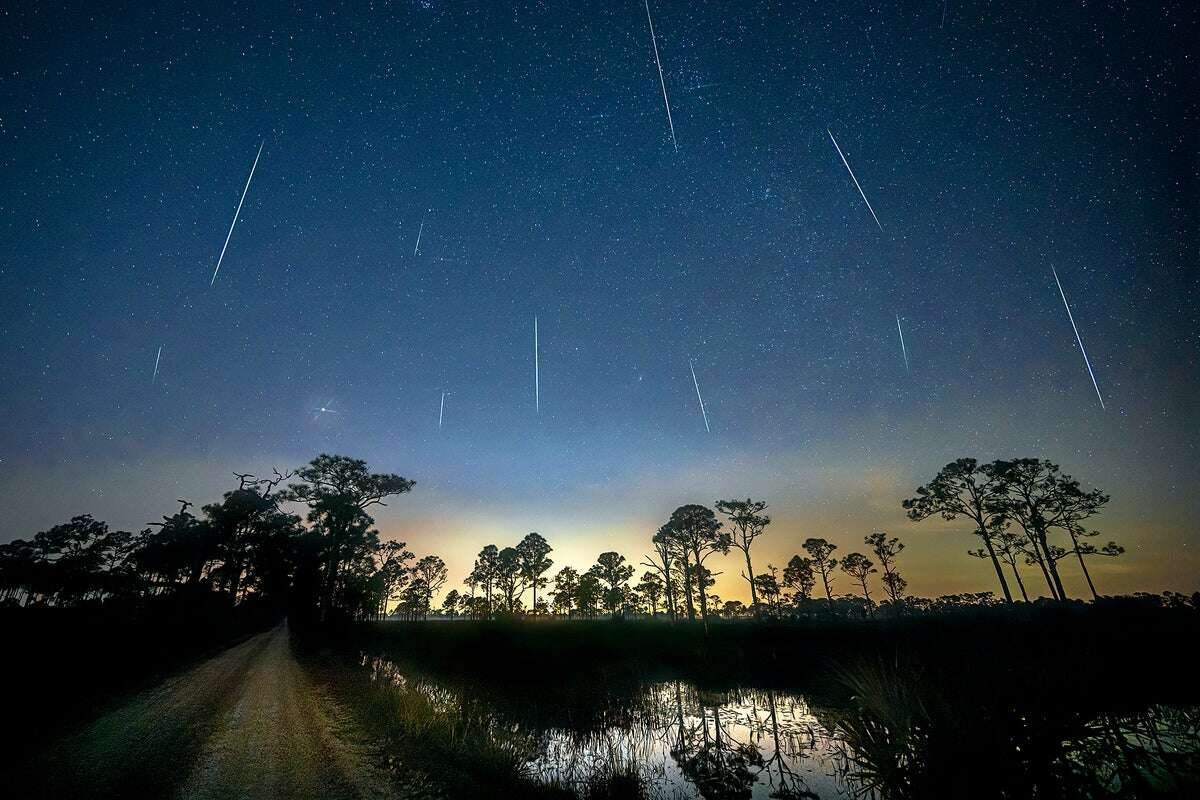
(687, 743)
(672, 740)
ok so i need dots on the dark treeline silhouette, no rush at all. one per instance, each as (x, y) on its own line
(249, 549)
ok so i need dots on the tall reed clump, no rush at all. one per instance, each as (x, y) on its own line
(887, 727)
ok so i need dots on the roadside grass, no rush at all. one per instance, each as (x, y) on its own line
(447, 746)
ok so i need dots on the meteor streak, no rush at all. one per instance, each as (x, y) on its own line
(860, 191)
(696, 383)
(325, 409)
(903, 349)
(420, 230)
(1071, 317)
(157, 358)
(666, 102)
(235, 214)
(441, 410)
(537, 391)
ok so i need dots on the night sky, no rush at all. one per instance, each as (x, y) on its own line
(532, 141)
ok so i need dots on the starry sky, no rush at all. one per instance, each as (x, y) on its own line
(529, 146)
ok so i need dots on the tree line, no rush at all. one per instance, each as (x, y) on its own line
(251, 548)
(248, 548)
(1016, 506)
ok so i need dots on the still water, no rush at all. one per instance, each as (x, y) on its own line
(684, 743)
(670, 739)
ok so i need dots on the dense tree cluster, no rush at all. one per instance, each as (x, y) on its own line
(501, 579)
(250, 547)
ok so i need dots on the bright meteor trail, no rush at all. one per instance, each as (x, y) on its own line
(860, 191)
(666, 102)
(696, 383)
(1071, 317)
(157, 358)
(235, 214)
(441, 410)
(903, 349)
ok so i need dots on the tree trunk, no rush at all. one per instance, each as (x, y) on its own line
(1020, 583)
(670, 590)
(235, 582)
(1062, 593)
(750, 578)
(687, 589)
(1083, 566)
(987, 540)
(330, 583)
(1041, 559)
(196, 571)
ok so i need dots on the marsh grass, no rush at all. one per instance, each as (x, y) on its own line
(958, 728)
(1098, 646)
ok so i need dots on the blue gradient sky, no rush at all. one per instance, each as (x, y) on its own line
(532, 140)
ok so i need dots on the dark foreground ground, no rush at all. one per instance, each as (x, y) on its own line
(996, 704)
(246, 723)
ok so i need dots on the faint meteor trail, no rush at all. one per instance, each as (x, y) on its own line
(537, 390)
(235, 214)
(157, 358)
(696, 383)
(420, 230)
(666, 102)
(441, 410)
(903, 349)
(1071, 317)
(860, 191)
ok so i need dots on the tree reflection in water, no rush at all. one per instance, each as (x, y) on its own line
(893, 741)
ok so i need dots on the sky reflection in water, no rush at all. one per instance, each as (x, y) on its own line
(684, 742)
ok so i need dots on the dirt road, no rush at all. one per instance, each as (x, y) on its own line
(247, 723)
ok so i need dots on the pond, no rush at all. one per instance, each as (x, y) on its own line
(671, 739)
